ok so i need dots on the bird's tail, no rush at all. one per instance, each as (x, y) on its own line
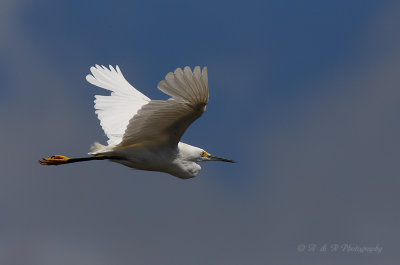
(98, 148)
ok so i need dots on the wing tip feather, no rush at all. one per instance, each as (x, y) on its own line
(186, 85)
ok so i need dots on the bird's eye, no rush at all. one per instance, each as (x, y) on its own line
(204, 154)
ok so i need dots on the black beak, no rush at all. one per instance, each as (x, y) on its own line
(217, 158)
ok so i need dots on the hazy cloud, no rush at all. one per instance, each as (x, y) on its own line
(323, 170)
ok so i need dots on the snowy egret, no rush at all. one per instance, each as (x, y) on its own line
(143, 133)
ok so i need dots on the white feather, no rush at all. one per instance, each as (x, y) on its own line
(186, 86)
(165, 121)
(115, 111)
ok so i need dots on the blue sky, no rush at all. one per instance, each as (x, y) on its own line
(304, 95)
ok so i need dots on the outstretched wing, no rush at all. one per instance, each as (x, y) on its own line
(165, 121)
(115, 111)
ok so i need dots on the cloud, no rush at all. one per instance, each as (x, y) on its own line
(327, 173)
(331, 163)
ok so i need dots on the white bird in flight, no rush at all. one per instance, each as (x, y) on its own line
(143, 133)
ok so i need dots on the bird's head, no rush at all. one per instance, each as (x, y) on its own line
(196, 154)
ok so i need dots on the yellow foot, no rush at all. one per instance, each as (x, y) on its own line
(54, 160)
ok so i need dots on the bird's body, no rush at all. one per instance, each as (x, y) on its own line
(171, 160)
(145, 134)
